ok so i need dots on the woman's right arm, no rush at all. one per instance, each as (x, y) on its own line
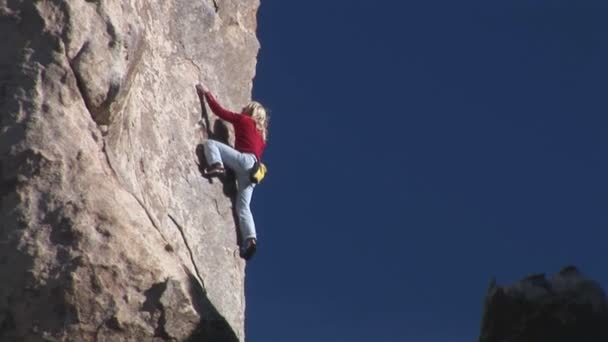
(216, 107)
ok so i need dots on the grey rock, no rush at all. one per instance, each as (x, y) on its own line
(568, 307)
(108, 232)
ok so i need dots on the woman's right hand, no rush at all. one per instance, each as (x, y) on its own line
(201, 89)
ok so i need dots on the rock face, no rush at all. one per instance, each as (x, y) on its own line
(108, 232)
(565, 308)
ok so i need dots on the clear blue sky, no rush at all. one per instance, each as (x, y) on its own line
(417, 149)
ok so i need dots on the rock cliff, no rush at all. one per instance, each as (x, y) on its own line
(108, 232)
(564, 308)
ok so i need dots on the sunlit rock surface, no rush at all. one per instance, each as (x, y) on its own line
(568, 307)
(108, 232)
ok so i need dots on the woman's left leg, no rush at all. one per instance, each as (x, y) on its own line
(243, 208)
(246, 223)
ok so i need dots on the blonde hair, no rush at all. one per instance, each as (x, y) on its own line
(260, 117)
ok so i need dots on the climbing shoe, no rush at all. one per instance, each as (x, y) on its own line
(214, 170)
(248, 250)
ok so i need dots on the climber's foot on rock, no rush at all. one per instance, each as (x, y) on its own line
(248, 250)
(214, 170)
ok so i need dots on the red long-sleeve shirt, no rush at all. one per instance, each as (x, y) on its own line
(247, 138)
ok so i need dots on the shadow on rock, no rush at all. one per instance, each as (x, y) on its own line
(213, 326)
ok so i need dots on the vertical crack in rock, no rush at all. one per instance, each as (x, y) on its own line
(216, 6)
(83, 94)
(150, 217)
(78, 78)
(119, 89)
(105, 65)
(200, 72)
(111, 30)
(181, 230)
(139, 201)
(109, 162)
(190, 59)
(217, 206)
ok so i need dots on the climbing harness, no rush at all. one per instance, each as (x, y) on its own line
(258, 172)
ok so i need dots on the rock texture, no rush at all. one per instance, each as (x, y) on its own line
(108, 232)
(564, 308)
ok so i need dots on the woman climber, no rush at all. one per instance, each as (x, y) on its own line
(250, 130)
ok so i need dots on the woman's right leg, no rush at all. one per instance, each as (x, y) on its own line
(219, 153)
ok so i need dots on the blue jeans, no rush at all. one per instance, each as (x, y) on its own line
(240, 163)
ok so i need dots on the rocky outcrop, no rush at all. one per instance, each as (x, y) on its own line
(564, 308)
(108, 232)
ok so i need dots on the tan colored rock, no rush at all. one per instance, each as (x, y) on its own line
(107, 230)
